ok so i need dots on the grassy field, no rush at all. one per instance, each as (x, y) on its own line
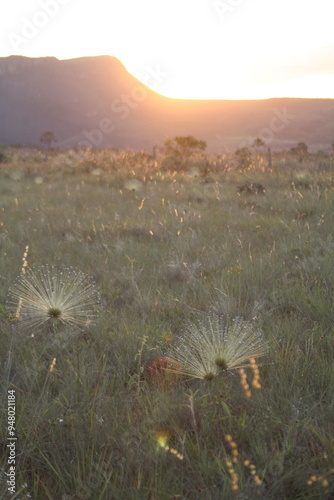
(168, 248)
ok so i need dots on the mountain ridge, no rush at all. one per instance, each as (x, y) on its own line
(96, 102)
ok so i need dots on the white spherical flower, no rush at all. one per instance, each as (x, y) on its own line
(133, 185)
(47, 297)
(207, 348)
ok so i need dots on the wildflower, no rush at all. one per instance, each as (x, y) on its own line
(252, 470)
(24, 260)
(47, 297)
(256, 374)
(244, 384)
(234, 448)
(18, 309)
(234, 476)
(192, 360)
(133, 185)
(53, 365)
(194, 172)
(320, 479)
(161, 438)
(97, 172)
(206, 348)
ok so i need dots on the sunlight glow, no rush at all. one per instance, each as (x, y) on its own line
(213, 49)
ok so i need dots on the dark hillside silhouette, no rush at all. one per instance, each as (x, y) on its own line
(94, 101)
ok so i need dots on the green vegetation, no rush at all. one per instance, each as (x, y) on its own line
(169, 248)
(182, 148)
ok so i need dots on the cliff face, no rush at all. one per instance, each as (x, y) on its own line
(95, 102)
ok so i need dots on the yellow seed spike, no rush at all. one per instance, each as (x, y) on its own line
(24, 260)
(18, 310)
(53, 365)
(256, 374)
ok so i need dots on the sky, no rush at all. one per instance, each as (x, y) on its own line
(189, 49)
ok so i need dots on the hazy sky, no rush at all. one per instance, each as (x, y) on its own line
(205, 49)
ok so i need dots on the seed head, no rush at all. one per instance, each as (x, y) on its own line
(48, 297)
(207, 348)
(192, 360)
(53, 365)
(133, 185)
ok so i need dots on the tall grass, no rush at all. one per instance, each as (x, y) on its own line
(173, 250)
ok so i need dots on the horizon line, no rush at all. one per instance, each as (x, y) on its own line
(168, 96)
